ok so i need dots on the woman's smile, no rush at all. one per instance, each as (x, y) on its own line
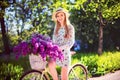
(60, 17)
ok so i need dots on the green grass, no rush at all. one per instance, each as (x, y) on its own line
(96, 65)
(99, 65)
(22, 61)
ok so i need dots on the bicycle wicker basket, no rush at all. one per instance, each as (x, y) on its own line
(36, 62)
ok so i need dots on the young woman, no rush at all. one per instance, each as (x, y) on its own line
(64, 36)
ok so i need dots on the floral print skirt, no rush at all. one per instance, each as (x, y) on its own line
(67, 59)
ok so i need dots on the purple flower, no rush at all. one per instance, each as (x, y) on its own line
(21, 49)
(39, 44)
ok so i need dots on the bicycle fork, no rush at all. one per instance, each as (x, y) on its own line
(76, 76)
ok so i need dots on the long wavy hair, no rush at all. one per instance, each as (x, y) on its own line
(66, 23)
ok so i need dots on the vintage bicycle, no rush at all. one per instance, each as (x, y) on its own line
(40, 70)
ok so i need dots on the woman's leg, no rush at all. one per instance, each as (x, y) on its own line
(52, 70)
(64, 73)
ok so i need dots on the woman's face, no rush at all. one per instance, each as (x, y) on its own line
(60, 17)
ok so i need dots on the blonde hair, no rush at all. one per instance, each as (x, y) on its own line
(66, 22)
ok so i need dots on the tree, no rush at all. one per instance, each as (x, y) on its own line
(85, 24)
(25, 13)
(101, 12)
(3, 5)
(32, 12)
(107, 11)
(28, 16)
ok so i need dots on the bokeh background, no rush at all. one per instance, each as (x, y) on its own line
(97, 29)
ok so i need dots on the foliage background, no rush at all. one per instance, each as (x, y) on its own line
(25, 17)
(35, 16)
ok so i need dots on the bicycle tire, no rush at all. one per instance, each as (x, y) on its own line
(34, 75)
(78, 72)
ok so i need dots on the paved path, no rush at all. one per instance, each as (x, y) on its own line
(109, 76)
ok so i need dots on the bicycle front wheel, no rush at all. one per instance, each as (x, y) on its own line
(34, 75)
(78, 72)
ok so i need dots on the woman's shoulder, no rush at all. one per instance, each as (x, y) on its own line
(71, 26)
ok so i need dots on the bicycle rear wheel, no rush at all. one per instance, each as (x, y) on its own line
(34, 75)
(78, 72)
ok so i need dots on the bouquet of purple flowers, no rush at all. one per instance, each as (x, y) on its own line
(39, 44)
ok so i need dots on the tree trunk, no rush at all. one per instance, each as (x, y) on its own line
(100, 44)
(4, 37)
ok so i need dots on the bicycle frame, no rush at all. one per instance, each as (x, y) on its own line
(43, 72)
